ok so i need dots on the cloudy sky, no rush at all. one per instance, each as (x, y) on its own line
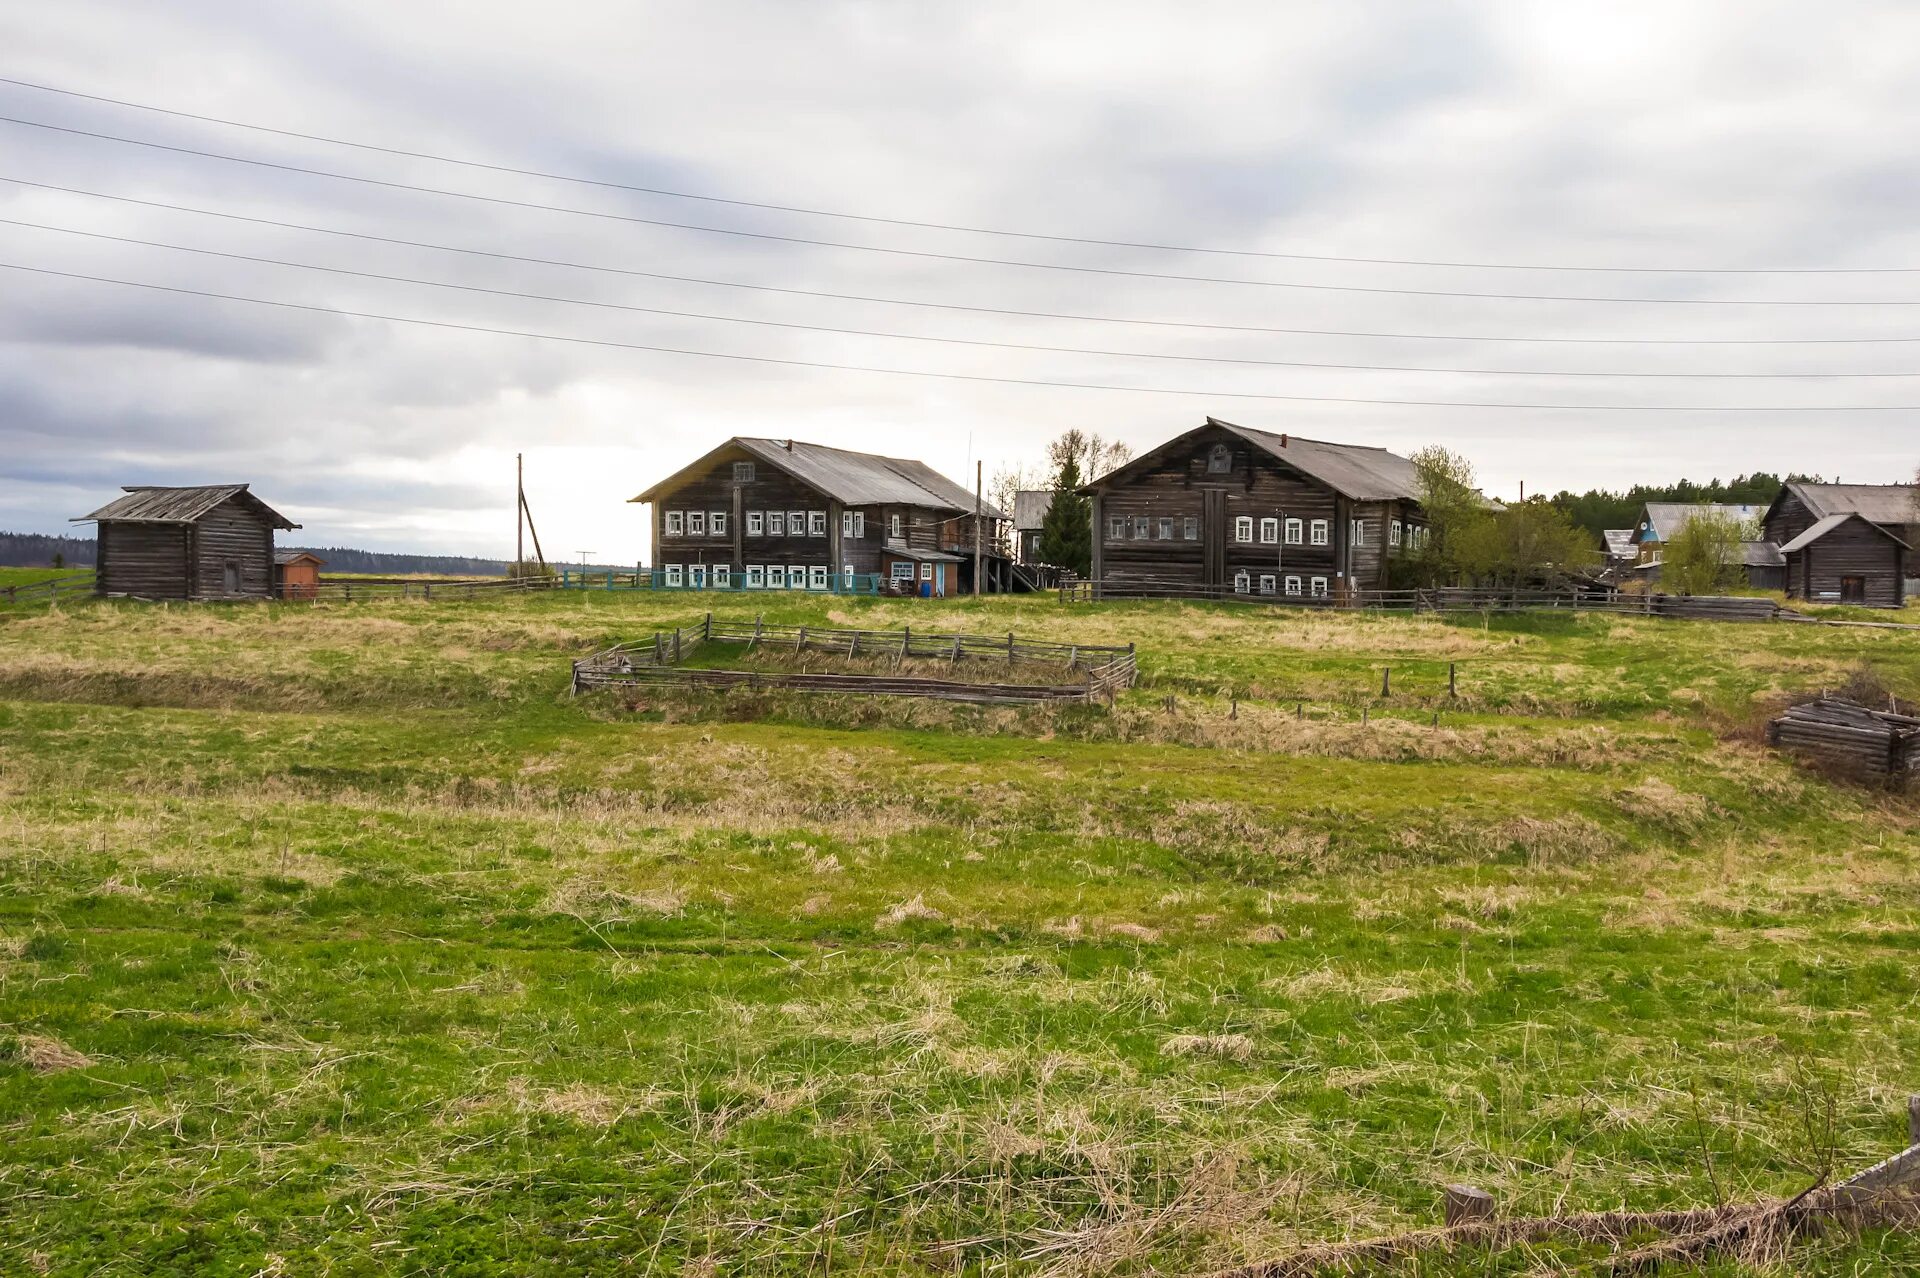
(1693, 141)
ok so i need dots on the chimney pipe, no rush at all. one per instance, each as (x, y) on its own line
(789, 445)
(1283, 439)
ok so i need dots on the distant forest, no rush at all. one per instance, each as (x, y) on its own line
(35, 550)
(1599, 509)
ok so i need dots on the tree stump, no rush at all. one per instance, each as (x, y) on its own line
(1465, 1204)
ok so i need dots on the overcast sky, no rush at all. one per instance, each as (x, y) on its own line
(1666, 135)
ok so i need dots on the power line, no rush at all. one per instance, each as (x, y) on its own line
(969, 377)
(955, 306)
(944, 226)
(922, 337)
(928, 255)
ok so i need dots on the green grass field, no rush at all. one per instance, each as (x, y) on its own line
(338, 939)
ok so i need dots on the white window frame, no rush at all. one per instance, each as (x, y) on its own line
(1166, 528)
(1357, 532)
(743, 472)
(717, 522)
(674, 576)
(1394, 534)
(1267, 583)
(894, 526)
(817, 576)
(859, 525)
(776, 523)
(796, 576)
(816, 523)
(895, 573)
(723, 576)
(756, 524)
(1296, 532)
(846, 524)
(776, 576)
(1317, 587)
(1192, 528)
(1142, 528)
(1270, 532)
(697, 576)
(1293, 584)
(1243, 528)
(926, 570)
(1318, 532)
(796, 523)
(676, 523)
(846, 571)
(1241, 582)
(756, 577)
(696, 523)
(1117, 528)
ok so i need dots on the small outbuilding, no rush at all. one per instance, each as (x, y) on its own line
(296, 574)
(934, 574)
(209, 541)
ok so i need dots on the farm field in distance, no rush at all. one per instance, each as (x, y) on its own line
(338, 939)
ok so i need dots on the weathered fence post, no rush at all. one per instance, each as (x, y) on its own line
(906, 643)
(1233, 711)
(756, 632)
(800, 644)
(1363, 716)
(1450, 680)
(1464, 1204)
(1299, 710)
(1073, 656)
(676, 645)
(659, 648)
(1386, 681)
(1913, 1120)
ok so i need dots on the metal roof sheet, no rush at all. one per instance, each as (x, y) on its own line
(854, 479)
(154, 504)
(1358, 471)
(1660, 520)
(1830, 523)
(1880, 503)
(1619, 542)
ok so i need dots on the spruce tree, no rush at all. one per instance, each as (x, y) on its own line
(1066, 534)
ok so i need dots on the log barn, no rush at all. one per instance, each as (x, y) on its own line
(208, 541)
(1229, 509)
(1846, 543)
(762, 514)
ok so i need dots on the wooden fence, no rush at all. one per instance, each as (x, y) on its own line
(657, 661)
(1443, 599)
(1876, 745)
(79, 583)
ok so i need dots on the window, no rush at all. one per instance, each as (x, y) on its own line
(1117, 528)
(696, 523)
(1243, 528)
(796, 576)
(926, 572)
(756, 523)
(893, 525)
(1269, 532)
(673, 575)
(1357, 532)
(743, 472)
(1319, 585)
(817, 575)
(859, 524)
(1293, 584)
(697, 576)
(1293, 532)
(776, 523)
(1192, 531)
(796, 523)
(756, 577)
(675, 523)
(1266, 583)
(846, 523)
(1318, 532)
(817, 524)
(846, 571)
(1393, 533)
(723, 576)
(718, 522)
(1240, 582)
(1220, 460)
(776, 577)
(902, 570)
(1166, 528)
(1142, 528)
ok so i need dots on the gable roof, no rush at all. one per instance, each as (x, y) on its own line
(1660, 520)
(155, 504)
(1355, 471)
(853, 479)
(1880, 503)
(295, 556)
(1830, 523)
(1030, 507)
(1619, 542)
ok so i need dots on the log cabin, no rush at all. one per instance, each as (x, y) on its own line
(762, 514)
(1846, 543)
(208, 541)
(1225, 508)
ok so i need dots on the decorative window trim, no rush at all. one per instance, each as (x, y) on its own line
(1192, 528)
(1357, 532)
(1220, 460)
(1166, 528)
(1296, 532)
(676, 523)
(926, 571)
(674, 575)
(1293, 584)
(776, 576)
(756, 524)
(846, 570)
(796, 576)
(796, 523)
(1394, 534)
(1270, 532)
(1318, 532)
(902, 570)
(1117, 528)
(1243, 528)
(1318, 587)
(846, 524)
(1142, 528)
(817, 575)
(776, 523)
(893, 525)
(859, 525)
(1241, 582)
(743, 472)
(696, 523)
(697, 576)
(1267, 583)
(717, 522)
(723, 576)
(756, 577)
(816, 523)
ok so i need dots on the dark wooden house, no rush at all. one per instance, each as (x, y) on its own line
(760, 514)
(1030, 507)
(1224, 508)
(211, 541)
(1846, 543)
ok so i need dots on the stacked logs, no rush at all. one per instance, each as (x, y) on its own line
(1875, 745)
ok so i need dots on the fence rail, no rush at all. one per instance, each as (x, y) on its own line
(1442, 599)
(49, 589)
(658, 660)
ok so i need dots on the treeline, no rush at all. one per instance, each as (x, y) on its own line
(38, 550)
(1599, 509)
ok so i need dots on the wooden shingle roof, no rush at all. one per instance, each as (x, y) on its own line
(155, 504)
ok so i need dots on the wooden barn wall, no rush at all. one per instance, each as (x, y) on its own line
(149, 560)
(232, 533)
(1851, 550)
(1789, 519)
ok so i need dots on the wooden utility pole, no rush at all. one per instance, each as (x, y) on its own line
(978, 471)
(519, 508)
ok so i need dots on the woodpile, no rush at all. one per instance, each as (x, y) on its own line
(1875, 745)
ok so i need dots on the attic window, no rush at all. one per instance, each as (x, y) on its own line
(1220, 460)
(743, 472)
